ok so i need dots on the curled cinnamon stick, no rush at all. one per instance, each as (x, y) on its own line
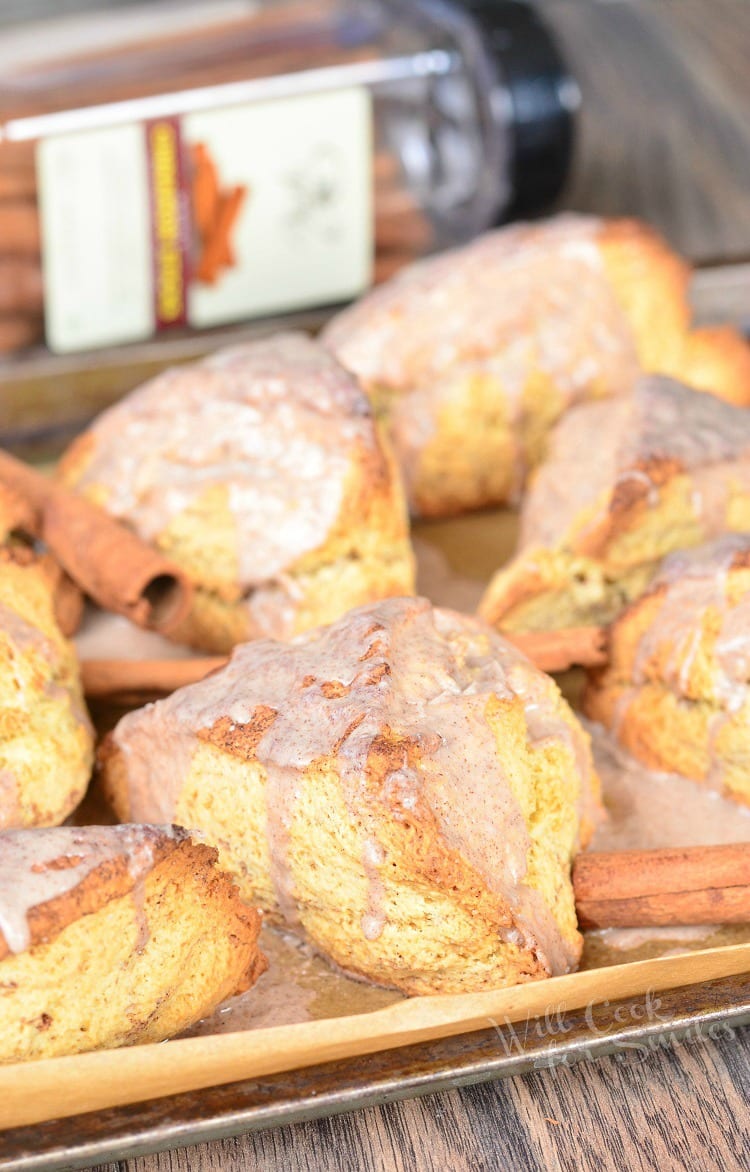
(679, 886)
(110, 564)
(559, 650)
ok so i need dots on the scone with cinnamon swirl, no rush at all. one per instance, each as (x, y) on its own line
(111, 935)
(403, 788)
(676, 691)
(625, 483)
(261, 472)
(46, 740)
(471, 356)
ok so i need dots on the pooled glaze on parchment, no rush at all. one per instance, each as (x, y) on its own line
(103, 635)
(597, 448)
(427, 676)
(299, 985)
(275, 423)
(530, 297)
(37, 866)
(648, 810)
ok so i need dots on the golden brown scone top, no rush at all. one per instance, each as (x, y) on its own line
(50, 877)
(524, 295)
(395, 697)
(277, 423)
(46, 739)
(617, 455)
(691, 629)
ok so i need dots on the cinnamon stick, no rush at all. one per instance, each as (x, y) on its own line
(109, 562)
(19, 228)
(17, 331)
(678, 886)
(21, 286)
(559, 650)
(67, 599)
(17, 184)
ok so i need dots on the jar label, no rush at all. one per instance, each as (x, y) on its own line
(209, 218)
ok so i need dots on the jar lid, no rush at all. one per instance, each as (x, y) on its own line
(542, 97)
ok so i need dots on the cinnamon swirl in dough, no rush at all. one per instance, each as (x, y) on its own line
(261, 472)
(470, 357)
(625, 483)
(111, 935)
(46, 741)
(403, 788)
(676, 691)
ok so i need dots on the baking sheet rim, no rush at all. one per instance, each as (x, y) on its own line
(37, 1091)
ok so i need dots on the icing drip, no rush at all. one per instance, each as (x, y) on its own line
(387, 682)
(374, 919)
(599, 447)
(490, 310)
(273, 424)
(37, 866)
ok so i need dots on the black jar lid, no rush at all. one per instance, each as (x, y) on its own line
(543, 97)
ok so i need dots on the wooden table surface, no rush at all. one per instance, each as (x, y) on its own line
(665, 135)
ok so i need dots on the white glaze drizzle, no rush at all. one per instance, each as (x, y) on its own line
(427, 676)
(37, 866)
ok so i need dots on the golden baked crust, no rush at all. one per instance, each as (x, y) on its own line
(675, 691)
(260, 471)
(403, 788)
(115, 935)
(46, 741)
(716, 359)
(626, 482)
(472, 356)
(15, 513)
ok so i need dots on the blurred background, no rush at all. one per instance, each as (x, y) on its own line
(461, 114)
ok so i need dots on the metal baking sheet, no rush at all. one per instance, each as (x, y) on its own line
(630, 1027)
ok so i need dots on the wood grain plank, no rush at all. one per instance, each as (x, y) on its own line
(675, 1107)
(665, 122)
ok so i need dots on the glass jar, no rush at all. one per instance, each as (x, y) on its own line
(166, 170)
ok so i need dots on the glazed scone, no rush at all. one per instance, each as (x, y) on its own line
(402, 788)
(111, 935)
(470, 357)
(625, 483)
(17, 524)
(676, 691)
(46, 740)
(716, 359)
(261, 472)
